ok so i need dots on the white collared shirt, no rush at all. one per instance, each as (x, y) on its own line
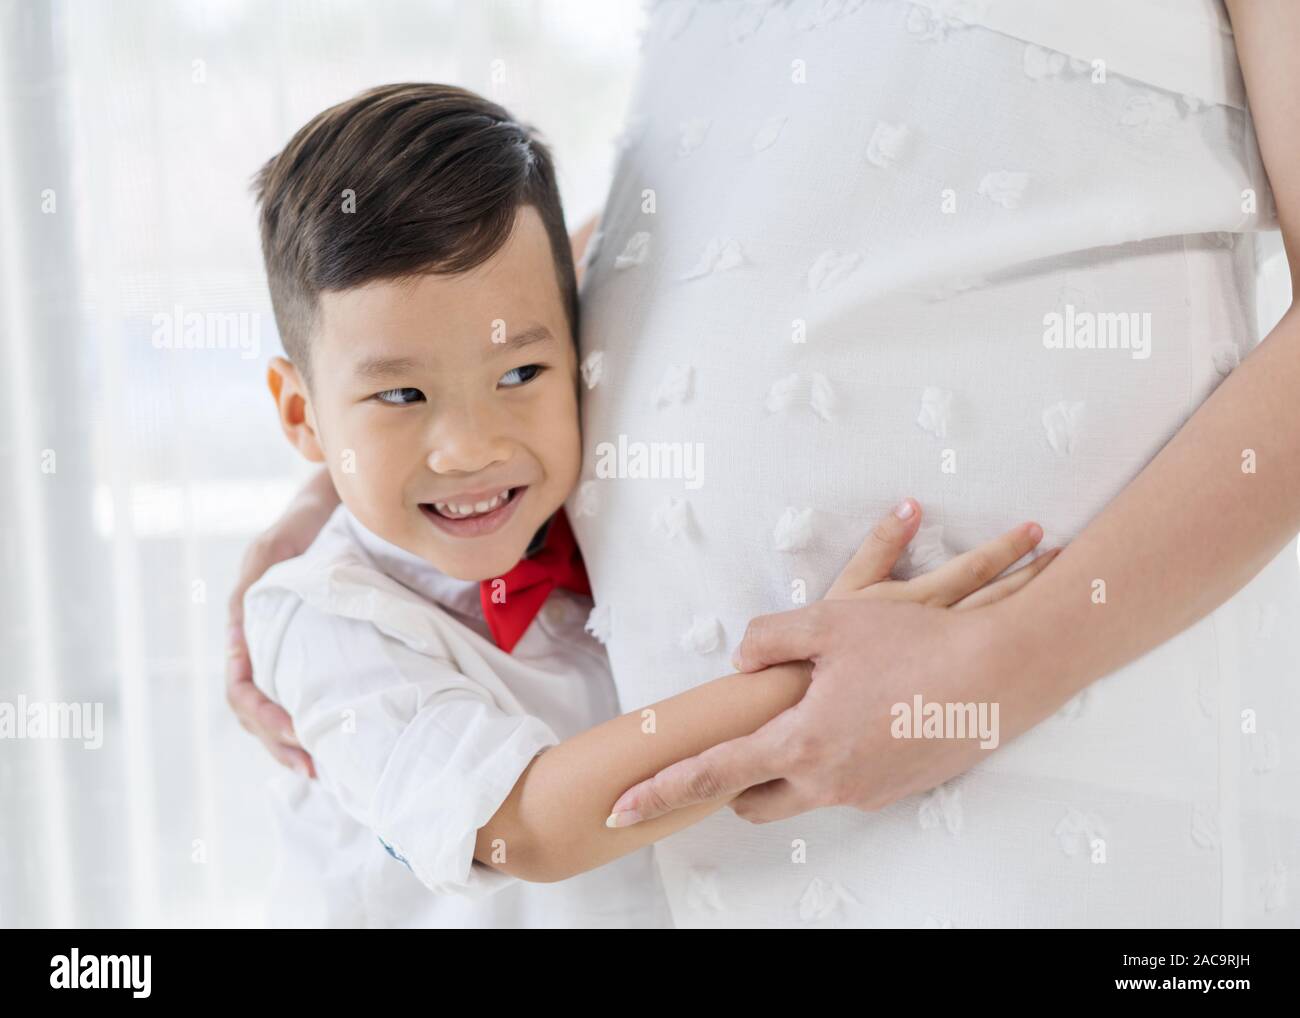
(419, 727)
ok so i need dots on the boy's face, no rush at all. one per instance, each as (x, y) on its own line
(446, 406)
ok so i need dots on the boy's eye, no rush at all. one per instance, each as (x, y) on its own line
(516, 377)
(400, 397)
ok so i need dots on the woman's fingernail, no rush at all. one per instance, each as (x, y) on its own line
(1035, 532)
(735, 659)
(904, 509)
(626, 818)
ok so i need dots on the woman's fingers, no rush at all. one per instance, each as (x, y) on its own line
(875, 559)
(974, 569)
(1008, 584)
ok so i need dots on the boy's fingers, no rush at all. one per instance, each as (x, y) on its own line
(1008, 584)
(875, 559)
(974, 569)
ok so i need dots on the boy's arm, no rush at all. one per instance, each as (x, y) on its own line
(552, 826)
(553, 823)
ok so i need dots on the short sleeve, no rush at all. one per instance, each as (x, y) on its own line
(412, 748)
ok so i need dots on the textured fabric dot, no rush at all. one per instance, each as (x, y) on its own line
(1226, 357)
(830, 269)
(593, 368)
(888, 144)
(704, 635)
(719, 254)
(822, 899)
(1076, 831)
(812, 390)
(793, 530)
(691, 135)
(1062, 422)
(1004, 187)
(636, 251)
(926, 551)
(674, 387)
(702, 893)
(933, 20)
(671, 519)
(587, 501)
(941, 806)
(1149, 111)
(936, 411)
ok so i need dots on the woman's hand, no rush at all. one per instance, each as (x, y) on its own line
(872, 651)
(967, 581)
(287, 538)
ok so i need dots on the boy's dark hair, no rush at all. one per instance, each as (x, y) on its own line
(438, 174)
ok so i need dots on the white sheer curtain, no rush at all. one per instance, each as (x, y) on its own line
(137, 447)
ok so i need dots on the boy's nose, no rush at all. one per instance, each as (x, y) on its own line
(465, 443)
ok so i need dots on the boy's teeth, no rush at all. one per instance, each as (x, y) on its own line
(451, 509)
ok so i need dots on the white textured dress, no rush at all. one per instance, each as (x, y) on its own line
(855, 251)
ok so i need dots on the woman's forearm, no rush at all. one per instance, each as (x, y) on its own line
(552, 826)
(1212, 509)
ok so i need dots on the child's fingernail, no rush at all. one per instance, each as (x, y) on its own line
(1035, 532)
(626, 818)
(904, 510)
(735, 659)
(302, 768)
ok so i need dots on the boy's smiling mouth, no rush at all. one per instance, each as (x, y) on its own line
(474, 514)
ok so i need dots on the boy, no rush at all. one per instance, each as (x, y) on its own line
(425, 293)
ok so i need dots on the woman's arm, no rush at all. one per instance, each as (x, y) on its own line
(553, 824)
(287, 538)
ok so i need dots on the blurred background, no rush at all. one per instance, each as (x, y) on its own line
(138, 449)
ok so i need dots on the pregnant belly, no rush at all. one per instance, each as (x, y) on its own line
(991, 400)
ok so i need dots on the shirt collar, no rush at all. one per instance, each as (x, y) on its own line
(461, 596)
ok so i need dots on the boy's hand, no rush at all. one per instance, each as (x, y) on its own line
(969, 580)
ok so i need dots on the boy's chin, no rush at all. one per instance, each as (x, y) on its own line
(486, 565)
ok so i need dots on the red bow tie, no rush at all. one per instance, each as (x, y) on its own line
(510, 609)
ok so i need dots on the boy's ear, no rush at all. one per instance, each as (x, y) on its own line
(291, 403)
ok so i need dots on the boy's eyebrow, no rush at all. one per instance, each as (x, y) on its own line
(383, 367)
(533, 334)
